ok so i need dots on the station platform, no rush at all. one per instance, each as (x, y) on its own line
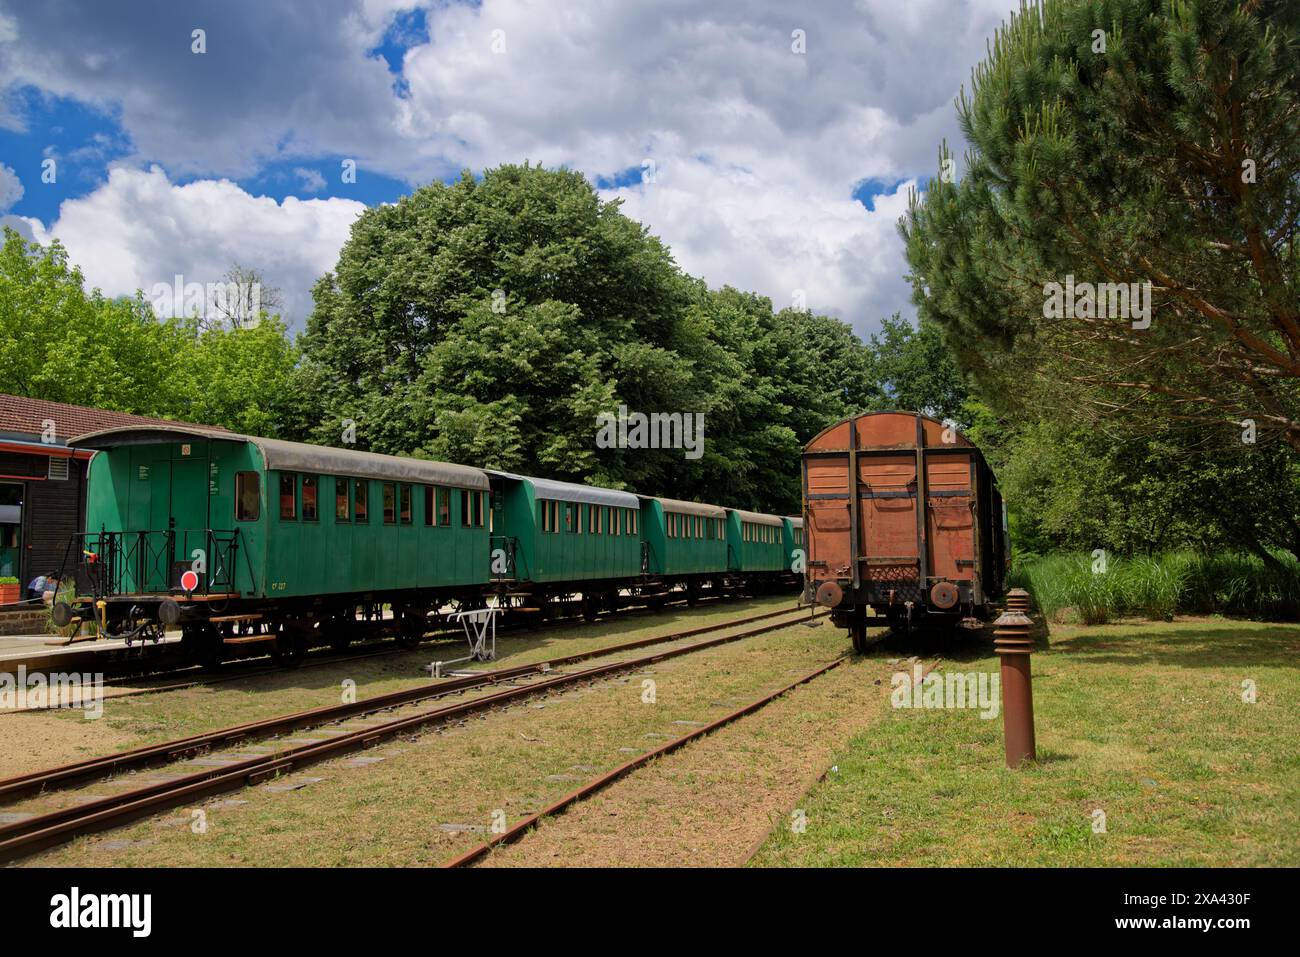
(52, 653)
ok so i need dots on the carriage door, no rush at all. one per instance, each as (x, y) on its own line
(889, 544)
(189, 506)
(951, 516)
(145, 564)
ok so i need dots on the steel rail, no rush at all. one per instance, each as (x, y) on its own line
(316, 657)
(34, 782)
(28, 836)
(518, 830)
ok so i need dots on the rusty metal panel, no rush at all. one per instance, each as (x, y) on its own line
(829, 521)
(888, 507)
(951, 519)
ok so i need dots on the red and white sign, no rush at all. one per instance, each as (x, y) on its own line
(190, 580)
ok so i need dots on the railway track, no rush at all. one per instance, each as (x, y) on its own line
(241, 669)
(531, 821)
(203, 772)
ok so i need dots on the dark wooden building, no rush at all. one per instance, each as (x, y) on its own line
(43, 482)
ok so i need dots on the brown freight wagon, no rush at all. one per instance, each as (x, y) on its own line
(903, 516)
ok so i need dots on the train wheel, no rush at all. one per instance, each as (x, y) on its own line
(411, 627)
(290, 645)
(338, 631)
(858, 629)
(202, 643)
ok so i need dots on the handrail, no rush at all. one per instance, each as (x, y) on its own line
(147, 562)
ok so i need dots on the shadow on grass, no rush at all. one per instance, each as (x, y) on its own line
(1190, 646)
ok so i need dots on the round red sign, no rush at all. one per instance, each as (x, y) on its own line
(190, 580)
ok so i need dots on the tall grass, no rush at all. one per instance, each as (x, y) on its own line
(1066, 587)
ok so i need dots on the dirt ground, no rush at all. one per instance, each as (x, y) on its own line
(713, 802)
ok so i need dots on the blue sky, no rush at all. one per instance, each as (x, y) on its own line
(762, 166)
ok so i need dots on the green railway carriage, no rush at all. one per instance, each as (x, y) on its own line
(239, 540)
(792, 541)
(554, 532)
(272, 530)
(754, 542)
(683, 538)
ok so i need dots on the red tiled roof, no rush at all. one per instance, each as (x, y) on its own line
(27, 417)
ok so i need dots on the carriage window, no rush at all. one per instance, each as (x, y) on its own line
(390, 504)
(428, 504)
(361, 502)
(545, 508)
(248, 497)
(341, 500)
(568, 518)
(309, 513)
(405, 503)
(471, 509)
(633, 520)
(444, 506)
(596, 518)
(288, 496)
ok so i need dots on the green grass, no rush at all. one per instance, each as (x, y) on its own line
(1145, 723)
(1065, 587)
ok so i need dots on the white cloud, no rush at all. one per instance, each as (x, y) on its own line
(312, 181)
(759, 148)
(11, 188)
(139, 228)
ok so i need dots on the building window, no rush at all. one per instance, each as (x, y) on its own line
(288, 496)
(361, 501)
(309, 512)
(248, 497)
(390, 503)
(404, 501)
(341, 512)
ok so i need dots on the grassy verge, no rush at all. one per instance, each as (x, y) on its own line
(1145, 724)
(1080, 588)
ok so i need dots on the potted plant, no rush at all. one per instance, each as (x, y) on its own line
(9, 591)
